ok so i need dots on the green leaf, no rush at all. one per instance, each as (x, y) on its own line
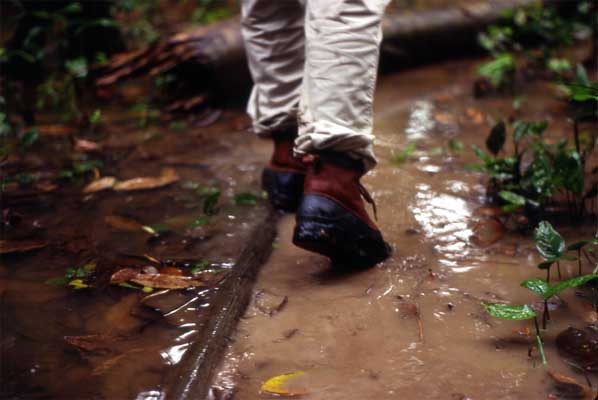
(497, 69)
(199, 222)
(536, 285)
(128, 285)
(496, 139)
(404, 154)
(77, 67)
(569, 283)
(578, 245)
(246, 199)
(481, 155)
(510, 311)
(29, 138)
(210, 202)
(549, 242)
(95, 117)
(201, 266)
(515, 200)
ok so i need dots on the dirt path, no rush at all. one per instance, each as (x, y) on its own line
(412, 327)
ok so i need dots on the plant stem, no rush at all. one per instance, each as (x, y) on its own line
(548, 274)
(558, 267)
(579, 261)
(541, 349)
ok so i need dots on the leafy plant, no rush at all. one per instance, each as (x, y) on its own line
(550, 170)
(246, 199)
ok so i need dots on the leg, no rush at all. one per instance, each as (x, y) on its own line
(273, 31)
(342, 50)
(335, 123)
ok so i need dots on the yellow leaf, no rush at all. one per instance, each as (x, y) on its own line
(276, 385)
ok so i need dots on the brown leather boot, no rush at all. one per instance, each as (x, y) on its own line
(331, 218)
(284, 175)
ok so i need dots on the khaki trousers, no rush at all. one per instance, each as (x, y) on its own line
(315, 62)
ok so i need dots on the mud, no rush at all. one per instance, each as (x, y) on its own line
(412, 327)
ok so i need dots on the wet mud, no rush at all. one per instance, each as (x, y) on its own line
(413, 327)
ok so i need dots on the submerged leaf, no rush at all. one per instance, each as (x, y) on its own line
(159, 281)
(510, 311)
(167, 177)
(487, 232)
(20, 246)
(104, 183)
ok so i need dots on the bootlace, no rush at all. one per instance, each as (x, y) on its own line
(368, 198)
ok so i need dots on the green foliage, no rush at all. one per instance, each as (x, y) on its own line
(535, 26)
(550, 168)
(74, 276)
(246, 199)
(403, 155)
(499, 71)
(208, 11)
(510, 312)
(549, 243)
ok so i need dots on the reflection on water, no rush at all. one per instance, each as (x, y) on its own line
(420, 121)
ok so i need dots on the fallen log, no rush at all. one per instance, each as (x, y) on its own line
(212, 57)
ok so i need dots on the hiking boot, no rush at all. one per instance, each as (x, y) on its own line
(331, 218)
(284, 175)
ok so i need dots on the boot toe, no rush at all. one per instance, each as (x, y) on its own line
(325, 227)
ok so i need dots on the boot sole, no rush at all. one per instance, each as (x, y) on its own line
(326, 228)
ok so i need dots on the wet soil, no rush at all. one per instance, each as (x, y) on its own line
(107, 341)
(413, 327)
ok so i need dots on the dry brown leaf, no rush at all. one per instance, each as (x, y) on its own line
(20, 246)
(46, 186)
(123, 223)
(445, 118)
(104, 183)
(487, 232)
(568, 387)
(158, 281)
(475, 115)
(167, 177)
(171, 271)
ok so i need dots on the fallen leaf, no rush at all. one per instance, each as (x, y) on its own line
(87, 145)
(568, 387)
(171, 271)
(475, 115)
(20, 246)
(167, 177)
(104, 183)
(56, 130)
(158, 281)
(46, 186)
(269, 303)
(123, 223)
(279, 385)
(487, 232)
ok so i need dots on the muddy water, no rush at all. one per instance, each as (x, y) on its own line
(412, 327)
(132, 339)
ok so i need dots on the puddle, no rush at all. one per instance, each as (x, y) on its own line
(111, 342)
(412, 327)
